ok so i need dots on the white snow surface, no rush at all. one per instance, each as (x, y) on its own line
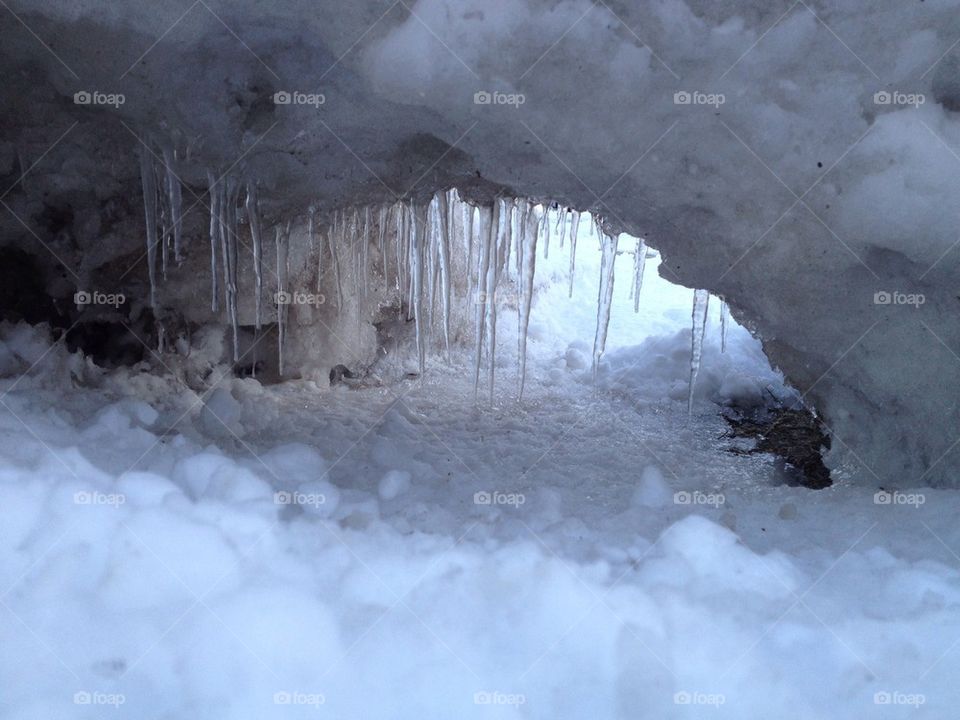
(399, 552)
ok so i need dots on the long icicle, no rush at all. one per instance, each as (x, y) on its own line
(148, 182)
(724, 318)
(468, 236)
(444, 240)
(639, 263)
(214, 239)
(283, 240)
(175, 202)
(228, 244)
(493, 275)
(546, 231)
(335, 260)
(417, 242)
(701, 304)
(483, 264)
(256, 236)
(528, 250)
(574, 229)
(604, 297)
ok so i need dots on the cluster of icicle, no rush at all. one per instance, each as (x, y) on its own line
(163, 210)
(423, 247)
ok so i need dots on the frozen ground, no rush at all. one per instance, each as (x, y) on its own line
(397, 552)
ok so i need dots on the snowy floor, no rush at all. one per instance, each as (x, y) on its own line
(398, 552)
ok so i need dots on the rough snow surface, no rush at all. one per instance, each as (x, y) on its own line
(397, 552)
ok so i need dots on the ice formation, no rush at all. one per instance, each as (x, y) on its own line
(608, 248)
(149, 186)
(701, 303)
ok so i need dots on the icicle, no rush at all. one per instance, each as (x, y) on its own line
(701, 303)
(335, 260)
(604, 297)
(639, 262)
(283, 240)
(401, 254)
(311, 226)
(148, 182)
(432, 248)
(574, 229)
(487, 230)
(382, 239)
(528, 251)
(214, 239)
(367, 232)
(506, 234)
(351, 232)
(253, 219)
(546, 232)
(175, 202)
(164, 232)
(468, 236)
(724, 317)
(562, 225)
(228, 245)
(493, 273)
(417, 242)
(444, 258)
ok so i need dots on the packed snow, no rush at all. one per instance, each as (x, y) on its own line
(398, 551)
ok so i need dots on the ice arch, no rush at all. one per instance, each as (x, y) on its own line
(800, 161)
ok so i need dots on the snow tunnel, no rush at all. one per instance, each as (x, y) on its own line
(535, 358)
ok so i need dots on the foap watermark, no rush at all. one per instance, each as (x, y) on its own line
(299, 298)
(495, 697)
(285, 697)
(895, 297)
(883, 497)
(686, 697)
(95, 97)
(95, 497)
(295, 97)
(93, 697)
(498, 498)
(698, 498)
(895, 697)
(482, 97)
(498, 296)
(696, 97)
(895, 97)
(95, 297)
(282, 497)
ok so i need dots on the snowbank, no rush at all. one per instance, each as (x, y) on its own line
(381, 571)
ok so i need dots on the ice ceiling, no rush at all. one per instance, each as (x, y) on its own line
(800, 159)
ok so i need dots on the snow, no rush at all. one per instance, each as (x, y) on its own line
(397, 551)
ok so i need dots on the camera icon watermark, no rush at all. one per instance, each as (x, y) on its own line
(295, 97)
(496, 497)
(95, 297)
(696, 497)
(895, 97)
(895, 297)
(883, 497)
(299, 298)
(895, 697)
(483, 97)
(95, 497)
(686, 697)
(95, 97)
(495, 697)
(696, 97)
(283, 497)
(93, 697)
(285, 697)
